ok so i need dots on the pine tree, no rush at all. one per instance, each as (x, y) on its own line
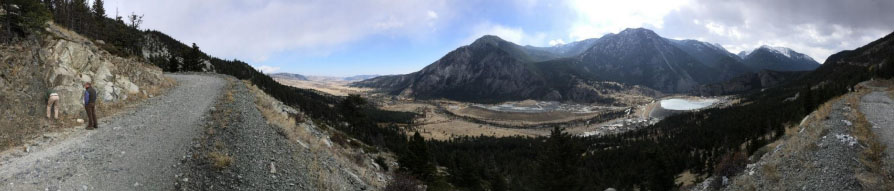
(808, 99)
(192, 60)
(559, 161)
(417, 160)
(98, 10)
(173, 64)
(26, 16)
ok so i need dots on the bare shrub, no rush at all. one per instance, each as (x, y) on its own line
(731, 164)
(339, 138)
(220, 160)
(771, 172)
(403, 182)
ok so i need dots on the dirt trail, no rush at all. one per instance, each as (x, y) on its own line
(139, 149)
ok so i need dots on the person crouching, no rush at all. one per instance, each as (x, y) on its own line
(52, 104)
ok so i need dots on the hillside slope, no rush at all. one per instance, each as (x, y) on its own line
(748, 83)
(837, 147)
(251, 141)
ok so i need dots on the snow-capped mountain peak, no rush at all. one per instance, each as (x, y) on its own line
(781, 50)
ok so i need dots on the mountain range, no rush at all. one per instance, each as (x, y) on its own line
(634, 60)
(292, 76)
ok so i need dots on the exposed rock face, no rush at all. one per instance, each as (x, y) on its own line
(75, 60)
(63, 60)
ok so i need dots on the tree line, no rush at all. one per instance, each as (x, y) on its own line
(704, 142)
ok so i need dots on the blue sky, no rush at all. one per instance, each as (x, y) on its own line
(343, 38)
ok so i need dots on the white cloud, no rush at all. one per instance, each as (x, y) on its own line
(805, 26)
(255, 30)
(599, 17)
(556, 42)
(511, 34)
(722, 30)
(432, 14)
(267, 69)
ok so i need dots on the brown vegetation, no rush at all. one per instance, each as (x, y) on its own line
(873, 154)
(313, 136)
(338, 88)
(220, 160)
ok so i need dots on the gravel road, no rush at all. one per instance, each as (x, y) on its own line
(879, 111)
(262, 157)
(139, 149)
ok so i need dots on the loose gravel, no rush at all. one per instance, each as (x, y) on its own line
(140, 149)
(828, 163)
(879, 111)
(262, 158)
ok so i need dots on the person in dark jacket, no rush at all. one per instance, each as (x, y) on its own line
(90, 105)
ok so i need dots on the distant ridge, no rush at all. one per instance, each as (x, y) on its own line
(493, 70)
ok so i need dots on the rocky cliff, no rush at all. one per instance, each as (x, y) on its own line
(63, 60)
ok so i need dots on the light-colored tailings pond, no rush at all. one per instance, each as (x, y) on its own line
(686, 104)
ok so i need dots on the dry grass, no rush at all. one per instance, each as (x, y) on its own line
(216, 154)
(339, 88)
(299, 131)
(434, 125)
(518, 118)
(686, 179)
(220, 160)
(823, 111)
(771, 172)
(873, 153)
(810, 132)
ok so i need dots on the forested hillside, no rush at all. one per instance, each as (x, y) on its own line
(711, 141)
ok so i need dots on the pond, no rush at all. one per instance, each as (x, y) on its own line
(686, 104)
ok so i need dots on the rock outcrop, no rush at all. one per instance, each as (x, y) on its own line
(63, 60)
(73, 60)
